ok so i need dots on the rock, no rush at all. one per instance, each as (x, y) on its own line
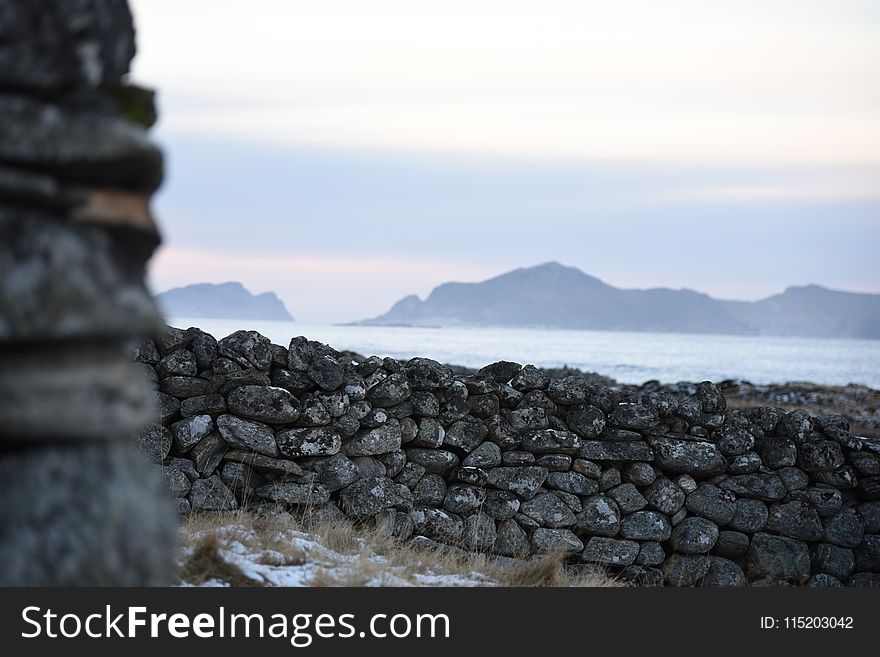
(367, 497)
(430, 491)
(486, 455)
(550, 441)
(640, 474)
(610, 551)
(776, 557)
(431, 433)
(466, 434)
(645, 526)
(391, 391)
(870, 514)
(511, 540)
(823, 580)
(462, 499)
(694, 535)
(793, 479)
(240, 479)
(586, 421)
(711, 398)
(180, 362)
(796, 426)
(744, 463)
(628, 498)
(665, 495)
(779, 452)
(586, 468)
(211, 494)
(381, 440)
(820, 456)
(501, 504)
(759, 486)
(598, 450)
(724, 572)
(685, 569)
(833, 560)
(548, 511)
(368, 466)
(868, 554)
(795, 520)
(155, 442)
(264, 463)
(247, 435)
(518, 457)
(524, 481)
(567, 390)
(609, 478)
(189, 431)
(435, 461)
(599, 516)
(750, 516)
(248, 349)
(264, 404)
(205, 349)
(213, 405)
(425, 404)
(733, 441)
(846, 529)
(311, 494)
(731, 544)
(479, 532)
(572, 482)
(470, 475)
(866, 463)
(167, 406)
(701, 459)
(548, 541)
(713, 503)
(438, 525)
(530, 378)
(326, 372)
(634, 416)
(501, 372)
(426, 374)
(208, 453)
(178, 482)
(651, 553)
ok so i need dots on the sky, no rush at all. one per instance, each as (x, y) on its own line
(344, 154)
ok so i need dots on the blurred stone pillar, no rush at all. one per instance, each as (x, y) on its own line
(78, 504)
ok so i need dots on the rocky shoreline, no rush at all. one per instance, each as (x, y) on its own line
(656, 485)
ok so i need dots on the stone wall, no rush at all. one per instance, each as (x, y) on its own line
(654, 487)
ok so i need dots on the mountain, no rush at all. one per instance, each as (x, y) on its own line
(555, 296)
(221, 301)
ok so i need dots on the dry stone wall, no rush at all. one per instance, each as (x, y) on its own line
(655, 488)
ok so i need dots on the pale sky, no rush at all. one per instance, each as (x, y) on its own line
(346, 153)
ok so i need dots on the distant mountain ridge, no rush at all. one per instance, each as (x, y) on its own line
(556, 296)
(221, 301)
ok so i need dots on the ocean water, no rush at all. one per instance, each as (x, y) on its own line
(628, 357)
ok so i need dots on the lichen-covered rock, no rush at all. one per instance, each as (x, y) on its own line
(694, 535)
(511, 540)
(701, 459)
(548, 510)
(326, 372)
(610, 551)
(392, 390)
(311, 494)
(629, 450)
(213, 405)
(750, 516)
(208, 453)
(211, 494)
(599, 516)
(437, 524)
(263, 463)
(248, 349)
(795, 520)
(713, 503)
(724, 572)
(665, 495)
(155, 442)
(645, 526)
(247, 435)
(633, 416)
(479, 533)
(462, 499)
(189, 431)
(263, 403)
(845, 528)
(381, 440)
(435, 461)
(550, 441)
(486, 455)
(833, 560)
(777, 557)
(427, 374)
(501, 504)
(366, 497)
(685, 569)
(466, 434)
(548, 541)
(523, 481)
(628, 498)
(759, 486)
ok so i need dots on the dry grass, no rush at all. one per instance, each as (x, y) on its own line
(357, 555)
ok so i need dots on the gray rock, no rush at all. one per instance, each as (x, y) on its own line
(870, 514)
(463, 499)
(572, 482)
(713, 503)
(779, 452)
(466, 434)
(511, 540)
(864, 580)
(733, 441)
(610, 551)
(189, 431)
(391, 391)
(311, 494)
(487, 455)
(665, 495)
(651, 553)
(744, 463)
(178, 482)
(368, 466)
(247, 435)
(248, 349)
(167, 405)
(500, 504)
(425, 404)
(430, 491)
(431, 433)
(524, 481)
(640, 474)
(264, 463)
(795, 520)
(367, 497)
(380, 440)
(724, 572)
(586, 421)
(794, 479)
(833, 560)
(548, 541)
(310, 441)
(796, 426)
(701, 459)
(599, 450)
(846, 529)
(530, 378)
(263, 403)
(599, 516)
(694, 535)
(645, 526)
(470, 475)
(550, 441)
(685, 570)
(759, 486)
(634, 416)
(479, 533)
(548, 511)
(628, 498)
(731, 544)
(868, 554)
(208, 453)
(567, 390)
(518, 457)
(750, 516)
(211, 494)
(240, 479)
(438, 525)
(820, 456)
(203, 405)
(823, 580)
(776, 557)
(155, 442)
(426, 374)
(435, 461)
(179, 362)
(609, 478)
(326, 372)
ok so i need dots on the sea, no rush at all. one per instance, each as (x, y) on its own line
(628, 357)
